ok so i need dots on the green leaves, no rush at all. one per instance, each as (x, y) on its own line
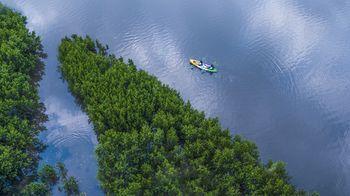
(151, 142)
(48, 175)
(35, 189)
(71, 187)
(21, 113)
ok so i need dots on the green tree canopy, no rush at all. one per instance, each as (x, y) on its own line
(36, 189)
(48, 175)
(21, 113)
(71, 187)
(152, 142)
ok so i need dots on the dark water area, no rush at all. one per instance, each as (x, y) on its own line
(283, 80)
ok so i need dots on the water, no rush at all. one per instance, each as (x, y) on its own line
(283, 78)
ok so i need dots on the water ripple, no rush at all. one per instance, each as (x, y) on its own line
(67, 126)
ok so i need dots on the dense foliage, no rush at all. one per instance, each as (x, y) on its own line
(36, 189)
(48, 175)
(151, 141)
(21, 113)
(71, 186)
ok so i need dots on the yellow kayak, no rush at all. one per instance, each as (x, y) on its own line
(203, 66)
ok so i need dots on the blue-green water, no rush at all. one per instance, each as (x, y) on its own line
(283, 81)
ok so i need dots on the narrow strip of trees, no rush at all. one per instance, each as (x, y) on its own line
(21, 113)
(151, 142)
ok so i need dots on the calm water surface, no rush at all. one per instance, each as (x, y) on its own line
(283, 81)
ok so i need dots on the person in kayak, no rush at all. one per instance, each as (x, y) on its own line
(203, 64)
(208, 66)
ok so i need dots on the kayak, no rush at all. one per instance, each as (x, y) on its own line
(203, 66)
